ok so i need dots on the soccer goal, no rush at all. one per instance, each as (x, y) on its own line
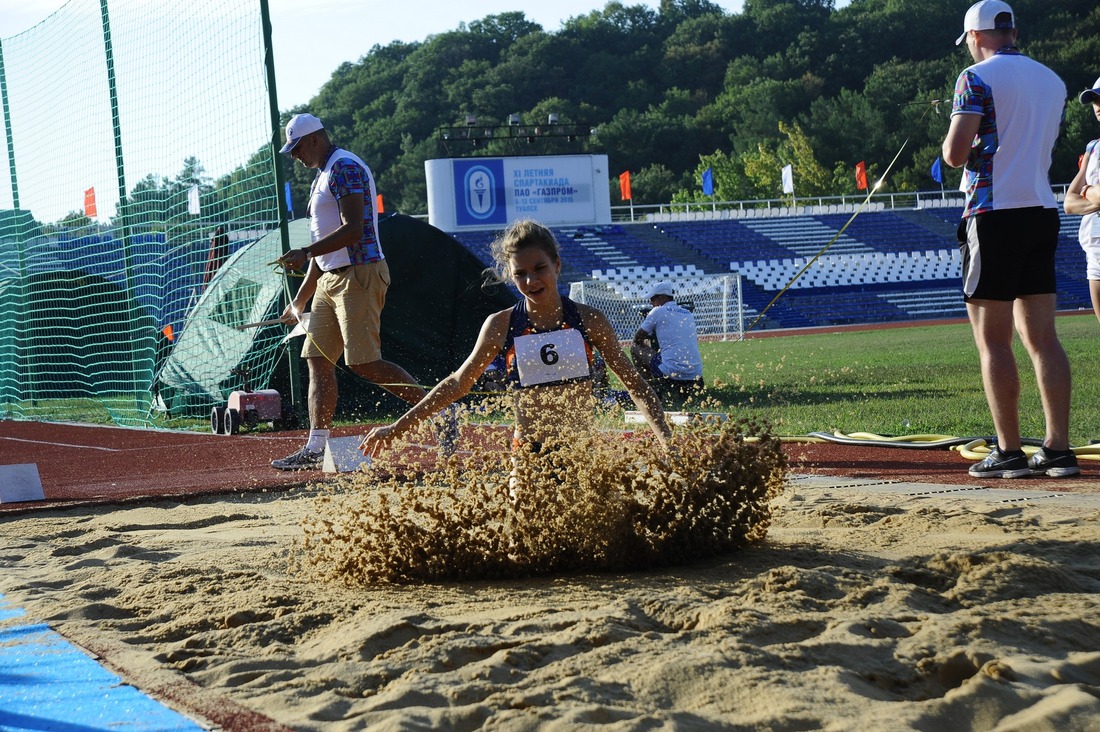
(715, 301)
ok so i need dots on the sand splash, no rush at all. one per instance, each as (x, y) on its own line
(588, 500)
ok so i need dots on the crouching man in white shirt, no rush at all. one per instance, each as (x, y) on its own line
(666, 347)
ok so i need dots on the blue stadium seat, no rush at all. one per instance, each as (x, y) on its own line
(884, 267)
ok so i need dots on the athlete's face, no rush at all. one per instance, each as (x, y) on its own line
(1096, 108)
(535, 273)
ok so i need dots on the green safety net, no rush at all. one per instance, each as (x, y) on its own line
(138, 137)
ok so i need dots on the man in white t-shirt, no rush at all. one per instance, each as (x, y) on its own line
(666, 346)
(345, 286)
(1005, 118)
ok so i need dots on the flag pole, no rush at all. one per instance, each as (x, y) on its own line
(937, 175)
(708, 188)
(625, 193)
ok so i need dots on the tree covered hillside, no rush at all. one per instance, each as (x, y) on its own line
(668, 93)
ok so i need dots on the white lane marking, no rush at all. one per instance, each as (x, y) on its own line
(62, 444)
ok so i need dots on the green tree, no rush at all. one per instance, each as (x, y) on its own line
(71, 220)
(777, 22)
(654, 184)
(697, 52)
(662, 87)
(764, 166)
(730, 181)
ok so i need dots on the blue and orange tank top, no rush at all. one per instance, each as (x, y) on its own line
(558, 356)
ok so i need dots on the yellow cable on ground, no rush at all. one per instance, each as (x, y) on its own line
(790, 439)
(899, 438)
(978, 449)
(868, 439)
(971, 448)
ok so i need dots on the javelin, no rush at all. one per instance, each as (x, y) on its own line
(870, 192)
(934, 104)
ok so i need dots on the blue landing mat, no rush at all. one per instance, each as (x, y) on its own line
(47, 683)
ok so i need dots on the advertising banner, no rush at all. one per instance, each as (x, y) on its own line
(466, 193)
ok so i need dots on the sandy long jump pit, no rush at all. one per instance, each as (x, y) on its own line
(840, 603)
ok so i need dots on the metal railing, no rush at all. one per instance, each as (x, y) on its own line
(798, 206)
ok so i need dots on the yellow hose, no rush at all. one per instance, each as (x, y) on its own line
(971, 448)
(977, 450)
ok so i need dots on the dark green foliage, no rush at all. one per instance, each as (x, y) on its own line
(664, 87)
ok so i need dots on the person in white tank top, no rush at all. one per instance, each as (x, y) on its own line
(1083, 199)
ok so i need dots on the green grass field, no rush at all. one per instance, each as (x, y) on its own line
(898, 381)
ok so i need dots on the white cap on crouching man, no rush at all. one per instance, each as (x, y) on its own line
(661, 288)
(298, 127)
(983, 16)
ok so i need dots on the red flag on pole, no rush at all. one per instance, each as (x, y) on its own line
(624, 186)
(378, 203)
(89, 202)
(861, 176)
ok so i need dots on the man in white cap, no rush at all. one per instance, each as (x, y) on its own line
(346, 280)
(666, 346)
(1083, 199)
(1005, 118)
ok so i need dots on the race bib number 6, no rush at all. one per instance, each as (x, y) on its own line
(543, 358)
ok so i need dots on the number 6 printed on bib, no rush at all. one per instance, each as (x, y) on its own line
(544, 358)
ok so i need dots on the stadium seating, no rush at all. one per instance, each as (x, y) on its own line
(165, 274)
(825, 266)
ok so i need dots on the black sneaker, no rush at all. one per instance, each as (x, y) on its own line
(302, 460)
(446, 430)
(1054, 464)
(999, 464)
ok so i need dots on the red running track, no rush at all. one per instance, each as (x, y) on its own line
(93, 464)
(80, 463)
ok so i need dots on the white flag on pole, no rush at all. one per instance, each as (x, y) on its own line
(193, 201)
(788, 179)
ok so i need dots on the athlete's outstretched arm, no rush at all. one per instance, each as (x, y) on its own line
(452, 388)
